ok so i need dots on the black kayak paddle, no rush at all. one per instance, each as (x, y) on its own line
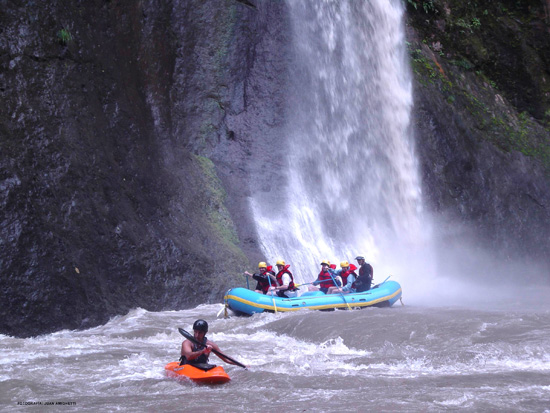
(192, 339)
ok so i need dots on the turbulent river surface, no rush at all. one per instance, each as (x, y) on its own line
(492, 357)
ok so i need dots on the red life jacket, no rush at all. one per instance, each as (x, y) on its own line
(325, 276)
(265, 283)
(351, 270)
(344, 275)
(280, 278)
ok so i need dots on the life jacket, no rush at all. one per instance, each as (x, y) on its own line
(267, 281)
(363, 281)
(351, 270)
(203, 358)
(291, 286)
(263, 280)
(326, 279)
(344, 275)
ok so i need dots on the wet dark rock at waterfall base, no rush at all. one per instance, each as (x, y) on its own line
(124, 142)
(129, 133)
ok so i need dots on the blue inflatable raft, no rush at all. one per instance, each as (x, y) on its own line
(243, 301)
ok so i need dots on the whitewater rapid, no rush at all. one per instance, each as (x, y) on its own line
(401, 358)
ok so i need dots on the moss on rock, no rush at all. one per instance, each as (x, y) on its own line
(219, 218)
(478, 57)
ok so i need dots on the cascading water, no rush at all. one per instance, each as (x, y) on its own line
(353, 186)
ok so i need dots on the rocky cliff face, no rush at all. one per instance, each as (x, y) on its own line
(129, 133)
(482, 113)
(124, 127)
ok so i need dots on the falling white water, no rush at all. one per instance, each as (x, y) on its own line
(353, 186)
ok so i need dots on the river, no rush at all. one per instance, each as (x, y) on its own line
(494, 356)
(353, 188)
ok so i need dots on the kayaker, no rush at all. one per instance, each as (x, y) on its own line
(348, 276)
(366, 273)
(325, 278)
(285, 281)
(194, 354)
(265, 278)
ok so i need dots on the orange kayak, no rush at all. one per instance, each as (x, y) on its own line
(217, 375)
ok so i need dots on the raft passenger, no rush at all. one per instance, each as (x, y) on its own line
(325, 278)
(265, 278)
(348, 276)
(285, 281)
(366, 273)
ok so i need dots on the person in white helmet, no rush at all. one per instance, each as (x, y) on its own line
(366, 273)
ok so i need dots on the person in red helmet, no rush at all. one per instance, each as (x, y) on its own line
(265, 278)
(196, 355)
(285, 281)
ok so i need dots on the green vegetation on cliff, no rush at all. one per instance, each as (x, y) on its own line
(489, 61)
(219, 218)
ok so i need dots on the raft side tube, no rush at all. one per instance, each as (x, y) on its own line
(241, 300)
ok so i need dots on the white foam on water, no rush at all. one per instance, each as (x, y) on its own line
(543, 390)
(282, 354)
(128, 362)
(459, 401)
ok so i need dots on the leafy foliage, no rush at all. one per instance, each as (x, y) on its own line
(65, 37)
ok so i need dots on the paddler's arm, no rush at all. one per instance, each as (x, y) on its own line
(189, 354)
(254, 276)
(273, 279)
(351, 280)
(317, 281)
(286, 282)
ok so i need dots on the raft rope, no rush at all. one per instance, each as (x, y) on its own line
(272, 298)
(226, 307)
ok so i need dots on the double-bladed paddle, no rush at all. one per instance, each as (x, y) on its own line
(192, 339)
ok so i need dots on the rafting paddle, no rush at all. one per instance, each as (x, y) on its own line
(192, 339)
(378, 285)
(341, 295)
(272, 298)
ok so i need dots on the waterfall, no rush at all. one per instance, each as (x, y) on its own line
(352, 186)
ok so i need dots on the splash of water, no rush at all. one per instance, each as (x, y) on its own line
(353, 186)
